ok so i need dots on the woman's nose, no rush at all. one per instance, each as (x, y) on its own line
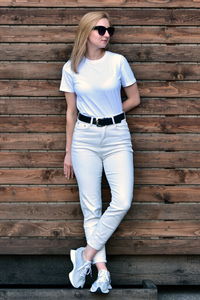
(107, 34)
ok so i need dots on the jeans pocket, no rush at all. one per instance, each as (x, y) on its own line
(81, 125)
(123, 124)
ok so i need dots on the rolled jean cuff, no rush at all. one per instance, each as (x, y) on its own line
(100, 261)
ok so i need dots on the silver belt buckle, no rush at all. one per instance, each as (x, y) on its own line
(97, 122)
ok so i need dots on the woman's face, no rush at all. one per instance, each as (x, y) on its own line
(98, 41)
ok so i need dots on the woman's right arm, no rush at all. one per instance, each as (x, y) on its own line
(71, 116)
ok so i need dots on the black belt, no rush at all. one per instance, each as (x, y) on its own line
(102, 121)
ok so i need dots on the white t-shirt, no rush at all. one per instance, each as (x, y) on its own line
(98, 84)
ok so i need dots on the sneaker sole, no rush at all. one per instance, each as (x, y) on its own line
(99, 291)
(73, 259)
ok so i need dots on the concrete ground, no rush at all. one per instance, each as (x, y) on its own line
(179, 293)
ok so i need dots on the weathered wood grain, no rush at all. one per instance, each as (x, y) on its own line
(39, 105)
(142, 176)
(115, 246)
(69, 193)
(164, 124)
(136, 124)
(60, 16)
(58, 193)
(166, 194)
(167, 106)
(133, 52)
(141, 159)
(140, 141)
(57, 105)
(147, 71)
(104, 3)
(59, 34)
(166, 142)
(51, 88)
(35, 52)
(51, 270)
(72, 211)
(169, 89)
(74, 229)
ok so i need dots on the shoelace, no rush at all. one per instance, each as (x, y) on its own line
(85, 269)
(103, 276)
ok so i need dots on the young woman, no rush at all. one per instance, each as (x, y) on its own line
(98, 138)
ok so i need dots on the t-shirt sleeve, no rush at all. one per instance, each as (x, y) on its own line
(66, 84)
(127, 75)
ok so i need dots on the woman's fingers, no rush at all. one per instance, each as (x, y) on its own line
(68, 171)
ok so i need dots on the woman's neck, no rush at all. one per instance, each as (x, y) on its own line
(93, 55)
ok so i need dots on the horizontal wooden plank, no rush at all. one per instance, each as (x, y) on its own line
(157, 34)
(51, 88)
(164, 124)
(127, 229)
(39, 105)
(166, 71)
(140, 141)
(52, 246)
(59, 34)
(44, 52)
(37, 34)
(56, 176)
(167, 106)
(31, 70)
(69, 193)
(168, 142)
(104, 3)
(34, 141)
(126, 271)
(30, 88)
(169, 89)
(72, 211)
(167, 53)
(56, 106)
(136, 124)
(133, 52)
(147, 71)
(24, 159)
(167, 159)
(71, 16)
(33, 124)
(167, 194)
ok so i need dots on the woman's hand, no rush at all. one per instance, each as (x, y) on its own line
(68, 169)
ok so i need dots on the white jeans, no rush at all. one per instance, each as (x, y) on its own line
(95, 148)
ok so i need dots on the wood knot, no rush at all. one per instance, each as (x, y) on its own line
(177, 75)
(56, 232)
(180, 76)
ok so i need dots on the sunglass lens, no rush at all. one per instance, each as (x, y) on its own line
(111, 30)
(101, 30)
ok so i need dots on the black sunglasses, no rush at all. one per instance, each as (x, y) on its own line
(102, 30)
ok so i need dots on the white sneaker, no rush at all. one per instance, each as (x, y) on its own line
(102, 284)
(81, 268)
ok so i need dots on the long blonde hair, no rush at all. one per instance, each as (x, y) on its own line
(87, 22)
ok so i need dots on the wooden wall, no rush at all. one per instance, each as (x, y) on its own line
(39, 209)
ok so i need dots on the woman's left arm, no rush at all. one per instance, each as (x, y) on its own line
(133, 97)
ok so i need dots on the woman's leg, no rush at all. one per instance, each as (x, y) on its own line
(118, 168)
(88, 167)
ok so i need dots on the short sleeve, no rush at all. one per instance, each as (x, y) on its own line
(66, 84)
(127, 75)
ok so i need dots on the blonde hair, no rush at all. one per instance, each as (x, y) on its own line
(87, 22)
